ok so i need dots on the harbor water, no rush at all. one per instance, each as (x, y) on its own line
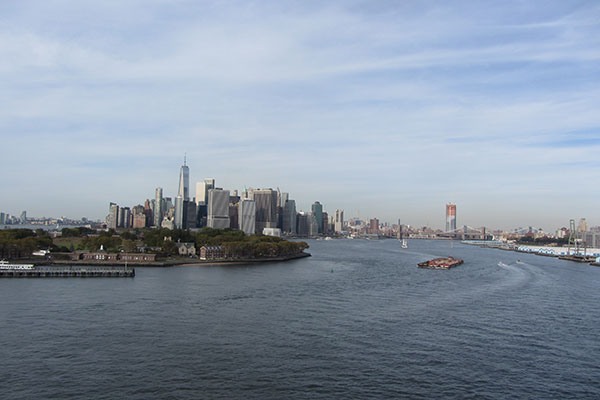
(356, 320)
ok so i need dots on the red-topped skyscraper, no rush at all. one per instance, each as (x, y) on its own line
(450, 217)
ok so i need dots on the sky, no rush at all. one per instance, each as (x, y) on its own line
(386, 109)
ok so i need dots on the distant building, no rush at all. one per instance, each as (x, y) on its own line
(158, 206)
(190, 218)
(266, 208)
(374, 226)
(247, 216)
(272, 232)
(313, 225)
(112, 219)
(302, 224)
(139, 216)
(317, 211)
(582, 226)
(325, 225)
(186, 249)
(202, 189)
(124, 217)
(339, 221)
(218, 209)
(178, 212)
(212, 252)
(23, 217)
(184, 181)
(289, 216)
(450, 217)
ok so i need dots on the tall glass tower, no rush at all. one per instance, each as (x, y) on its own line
(184, 181)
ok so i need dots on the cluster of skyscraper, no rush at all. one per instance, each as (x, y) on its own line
(264, 211)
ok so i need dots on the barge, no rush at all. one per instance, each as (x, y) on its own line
(441, 263)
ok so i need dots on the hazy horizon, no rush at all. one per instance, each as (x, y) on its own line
(383, 109)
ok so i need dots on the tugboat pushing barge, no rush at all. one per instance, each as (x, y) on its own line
(441, 263)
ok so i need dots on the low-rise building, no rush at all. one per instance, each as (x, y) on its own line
(212, 252)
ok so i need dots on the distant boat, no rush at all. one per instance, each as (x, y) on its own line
(404, 244)
(519, 262)
(501, 264)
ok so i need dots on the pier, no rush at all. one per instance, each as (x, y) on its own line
(70, 272)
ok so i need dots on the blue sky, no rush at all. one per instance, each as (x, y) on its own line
(382, 108)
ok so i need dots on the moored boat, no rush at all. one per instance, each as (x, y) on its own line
(441, 263)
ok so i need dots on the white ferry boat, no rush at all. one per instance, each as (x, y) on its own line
(7, 265)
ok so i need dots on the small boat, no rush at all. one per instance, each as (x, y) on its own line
(441, 263)
(519, 262)
(501, 264)
(404, 244)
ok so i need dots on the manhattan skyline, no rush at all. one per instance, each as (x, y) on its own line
(381, 109)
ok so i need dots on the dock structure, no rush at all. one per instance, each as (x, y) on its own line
(70, 272)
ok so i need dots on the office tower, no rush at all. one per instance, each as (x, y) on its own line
(113, 216)
(184, 181)
(190, 217)
(313, 225)
(158, 207)
(399, 229)
(339, 220)
(247, 216)
(302, 224)
(234, 222)
(202, 189)
(218, 208)
(2, 218)
(374, 226)
(201, 216)
(317, 210)
(124, 218)
(450, 217)
(266, 208)
(325, 225)
(148, 213)
(581, 226)
(178, 222)
(289, 216)
(23, 217)
(139, 216)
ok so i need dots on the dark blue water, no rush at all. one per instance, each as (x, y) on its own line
(356, 320)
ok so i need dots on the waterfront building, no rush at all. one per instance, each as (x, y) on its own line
(450, 217)
(2, 218)
(184, 181)
(317, 211)
(339, 221)
(302, 224)
(178, 212)
(266, 208)
(276, 232)
(158, 207)
(582, 226)
(325, 224)
(23, 217)
(313, 225)
(247, 216)
(218, 208)
(289, 216)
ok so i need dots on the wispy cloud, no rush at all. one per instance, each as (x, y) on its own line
(482, 104)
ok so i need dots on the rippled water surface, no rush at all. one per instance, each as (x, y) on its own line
(356, 320)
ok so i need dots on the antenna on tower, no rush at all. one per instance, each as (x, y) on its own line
(184, 158)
